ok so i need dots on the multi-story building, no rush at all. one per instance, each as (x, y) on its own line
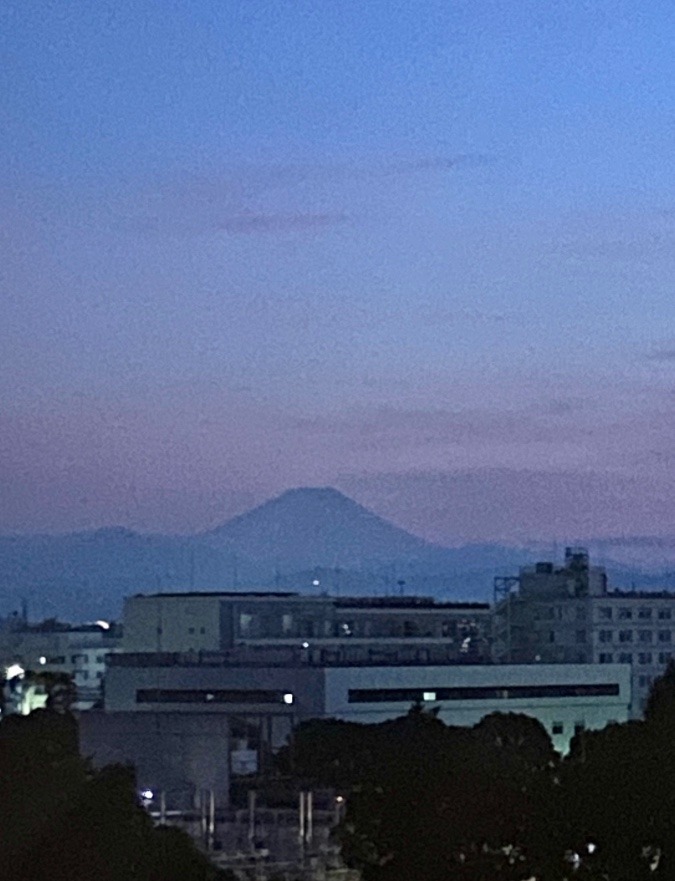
(80, 651)
(416, 628)
(567, 614)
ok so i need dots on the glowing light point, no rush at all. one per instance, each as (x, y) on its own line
(288, 698)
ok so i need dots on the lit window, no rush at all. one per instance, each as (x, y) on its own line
(288, 698)
(428, 695)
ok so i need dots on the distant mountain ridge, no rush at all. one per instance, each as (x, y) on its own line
(303, 536)
(320, 526)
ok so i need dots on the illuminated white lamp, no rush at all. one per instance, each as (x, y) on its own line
(316, 582)
(104, 625)
(305, 645)
(428, 695)
(288, 698)
(13, 671)
(147, 794)
(42, 659)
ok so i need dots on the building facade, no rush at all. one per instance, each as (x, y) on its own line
(567, 614)
(79, 651)
(353, 627)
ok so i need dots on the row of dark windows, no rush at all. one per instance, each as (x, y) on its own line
(479, 692)
(642, 635)
(625, 614)
(204, 696)
(627, 657)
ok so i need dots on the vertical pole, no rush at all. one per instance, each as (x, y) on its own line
(212, 820)
(310, 816)
(162, 807)
(302, 827)
(251, 814)
(202, 814)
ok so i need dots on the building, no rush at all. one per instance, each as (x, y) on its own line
(351, 627)
(568, 615)
(80, 651)
(228, 675)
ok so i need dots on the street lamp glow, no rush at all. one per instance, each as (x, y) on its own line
(42, 659)
(147, 794)
(13, 671)
(305, 645)
(288, 698)
(428, 695)
(104, 625)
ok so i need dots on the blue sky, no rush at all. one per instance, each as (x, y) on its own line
(414, 250)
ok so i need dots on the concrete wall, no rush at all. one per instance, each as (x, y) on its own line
(304, 683)
(180, 754)
(593, 712)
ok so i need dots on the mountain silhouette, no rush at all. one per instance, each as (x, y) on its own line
(318, 527)
(304, 535)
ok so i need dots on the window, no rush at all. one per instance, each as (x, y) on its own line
(645, 636)
(606, 635)
(481, 692)
(557, 728)
(665, 635)
(645, 681)
(199, 696)
(159, 631)
(644, 613)
(100, 659)
(645, 658)
(579, 727)
(625, 658)
(581, 636)
(79, 659)
(581, 613)
(605, 613)
(606, 658)
(664, 657)
(664, 614)
(57, 659)
(625, 636)
(625, 614)
(191, 630)
(551, 636)
(99, 675)
(202, 630)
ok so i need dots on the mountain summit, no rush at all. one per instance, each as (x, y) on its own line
(316, 526)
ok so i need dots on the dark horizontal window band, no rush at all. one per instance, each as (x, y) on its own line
(204, 696)
(480, 692)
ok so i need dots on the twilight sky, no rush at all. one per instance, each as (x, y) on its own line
(421, 251)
